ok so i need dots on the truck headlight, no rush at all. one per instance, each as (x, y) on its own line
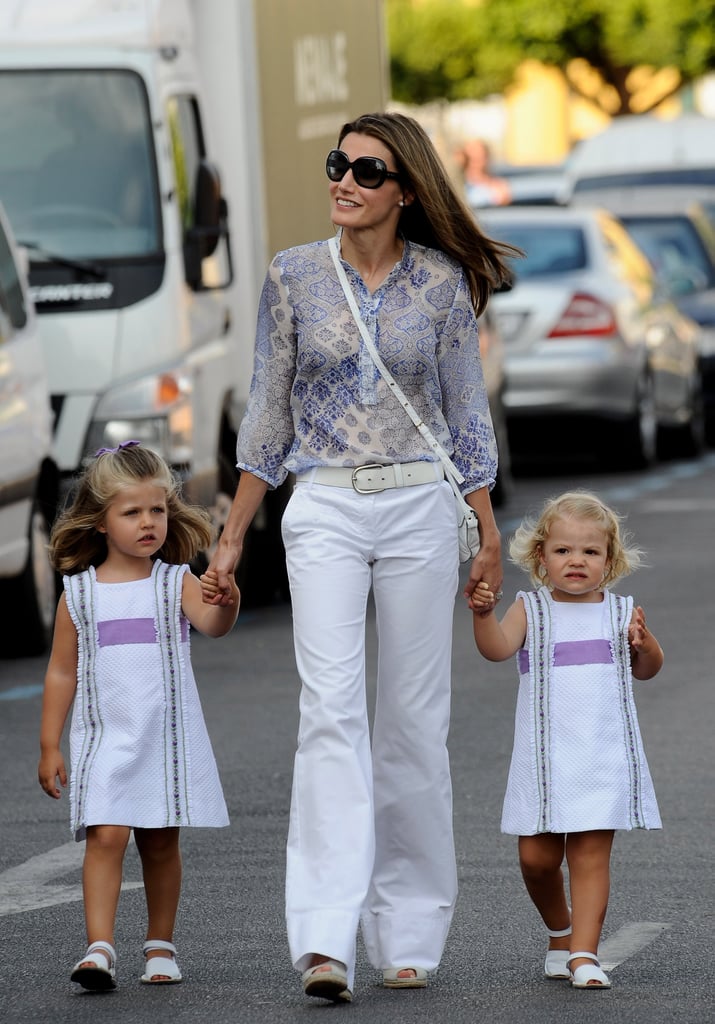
(155, 410)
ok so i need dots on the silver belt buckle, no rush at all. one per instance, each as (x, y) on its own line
(359, 469)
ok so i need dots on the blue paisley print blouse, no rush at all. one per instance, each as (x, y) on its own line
(317, 398)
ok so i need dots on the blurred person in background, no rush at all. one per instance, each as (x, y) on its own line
(481, 187)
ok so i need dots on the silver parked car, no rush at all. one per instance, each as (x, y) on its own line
(29, 479)
(590, 335)
(491, 347)
(680, 243)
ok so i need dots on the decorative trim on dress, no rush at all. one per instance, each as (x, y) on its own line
(620, 611)
(538, 616)
(168, 586)
(81, 604)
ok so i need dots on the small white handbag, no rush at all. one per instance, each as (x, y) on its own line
(467, 522)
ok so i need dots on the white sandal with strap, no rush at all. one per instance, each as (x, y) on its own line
(160, 970)
(97, 968)
(556, 966)
(585, 975)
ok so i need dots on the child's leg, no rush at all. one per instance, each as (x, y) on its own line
(102, 879)
(161, 868)
(588, 855)
(540, 859)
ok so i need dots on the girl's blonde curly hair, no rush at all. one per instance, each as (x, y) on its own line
(75, 543)
(527, 544)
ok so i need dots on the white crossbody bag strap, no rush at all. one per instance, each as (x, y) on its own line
(451, 472)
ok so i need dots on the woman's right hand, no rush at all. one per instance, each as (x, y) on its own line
(218, 582)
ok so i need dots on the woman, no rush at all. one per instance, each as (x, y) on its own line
(370, 839)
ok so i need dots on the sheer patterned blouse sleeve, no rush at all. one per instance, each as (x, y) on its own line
(267, 433)
(465, 403)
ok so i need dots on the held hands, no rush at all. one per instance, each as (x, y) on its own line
(51, 768)
(218, 583)
(212, 593)
(483, 588)
(483, 600)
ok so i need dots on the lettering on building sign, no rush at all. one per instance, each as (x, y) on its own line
(321, 69)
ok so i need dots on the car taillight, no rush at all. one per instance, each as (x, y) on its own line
(585, 314)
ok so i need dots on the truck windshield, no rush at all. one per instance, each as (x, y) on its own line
(77, 170)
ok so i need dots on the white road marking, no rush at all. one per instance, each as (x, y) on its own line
(679, 505)
(627, 941)
(22, 692)
(25, 887)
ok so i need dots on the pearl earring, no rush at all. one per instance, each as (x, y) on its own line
(401, 202)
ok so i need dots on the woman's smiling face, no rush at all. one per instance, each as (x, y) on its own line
(353, 206)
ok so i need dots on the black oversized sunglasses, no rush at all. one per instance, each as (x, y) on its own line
(368, 171)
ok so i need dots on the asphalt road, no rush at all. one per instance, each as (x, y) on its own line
(660, 929)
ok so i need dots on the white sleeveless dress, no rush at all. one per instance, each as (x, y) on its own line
(139, 749)
(578, 761)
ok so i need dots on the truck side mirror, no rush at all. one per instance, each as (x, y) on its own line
(209, 227)
(207, 207)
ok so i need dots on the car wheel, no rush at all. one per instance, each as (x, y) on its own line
(30, 599)
(636, 440)
(685, 440)
(504, 485)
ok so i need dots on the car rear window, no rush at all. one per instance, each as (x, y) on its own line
(549, 249)
(671, 242)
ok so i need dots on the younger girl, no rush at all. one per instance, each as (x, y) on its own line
(578, 770)
(141, 757)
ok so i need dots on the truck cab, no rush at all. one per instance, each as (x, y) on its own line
(113, 115)
(105, 177)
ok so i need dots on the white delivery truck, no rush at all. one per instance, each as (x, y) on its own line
(154, 154)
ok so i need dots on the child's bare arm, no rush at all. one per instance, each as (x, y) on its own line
(60, 686)
(496, 640)
(211, 619)
(646, 652)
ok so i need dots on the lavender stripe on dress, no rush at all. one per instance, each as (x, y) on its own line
(133, 631)
(573, 652)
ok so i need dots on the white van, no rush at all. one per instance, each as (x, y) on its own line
(642, 151)
(29, 479)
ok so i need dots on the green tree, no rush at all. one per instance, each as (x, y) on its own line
(455, 48)
(436, 52)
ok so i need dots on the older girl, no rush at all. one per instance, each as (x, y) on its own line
(141, 758)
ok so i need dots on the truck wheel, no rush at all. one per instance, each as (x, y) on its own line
(504, 485)
(30, 599)
(261, 574)
(685, 440)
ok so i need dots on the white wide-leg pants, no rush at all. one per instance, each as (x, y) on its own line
(370, 838)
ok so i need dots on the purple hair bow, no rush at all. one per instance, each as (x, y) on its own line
(112, 451)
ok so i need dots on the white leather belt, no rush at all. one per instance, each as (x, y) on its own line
(374, 477)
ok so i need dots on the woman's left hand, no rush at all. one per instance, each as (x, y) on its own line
(486, 566)
(485, 577)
